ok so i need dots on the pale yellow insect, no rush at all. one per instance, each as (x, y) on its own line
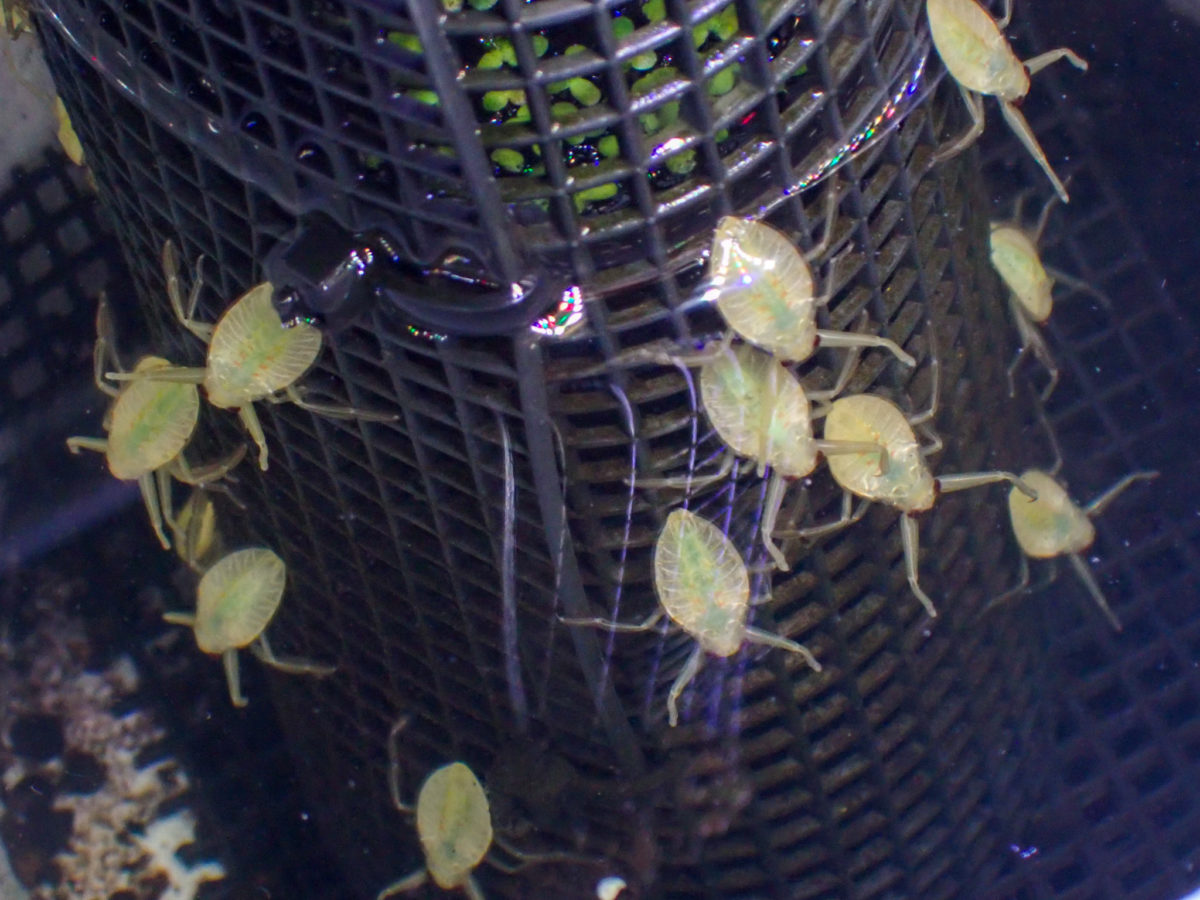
(704, 587)
(197, 538)
(148, 425)
(14, 16)
(761, 411)
(906, 482)
(973, 48)
(235, 601)
(454, 826)
(1030, 283)
(1053, 525)
(764, 288)
(252, 355)
(66, 133)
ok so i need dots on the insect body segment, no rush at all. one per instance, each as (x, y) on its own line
(1053, 525)
(978, 56)
(235, 601)
(704, 587)
(906, 483)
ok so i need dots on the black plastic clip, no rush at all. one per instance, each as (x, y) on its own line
(328, 276)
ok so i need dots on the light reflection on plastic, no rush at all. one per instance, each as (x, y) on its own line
(906, 90)
(668, 147)
(565, 316)
(425, 335)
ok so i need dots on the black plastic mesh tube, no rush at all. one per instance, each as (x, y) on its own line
(219, 125)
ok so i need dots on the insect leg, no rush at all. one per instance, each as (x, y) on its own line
(406, 884)
(686, 674)
(170, 263)
(1023, 331)
(75, 444)
(171, 374)
(846, 519)
(292, 665)
(250, 419)
(758, 636)
(831, 204)
(771, 504)
(1003, 21)
(662, 353)
(150, 498)
(850, 339)
(1044, 217)
(1039, 62)
(229, 660)
(162, 485)
(948, 484)
(1101, 503)
(691, 480)
(971, 135)
(334, 411)
(393, 743)
(1089, 582)
(201, 330)
(1053, 440)
(910, 537)
(935, 444)
(104, 355)
(1021, 587)
(525, 858)
(829, 448)
(646, 624)
(1020, 127)
(210, 472)
(843, 379)
(1031, 340)
(1061, 277)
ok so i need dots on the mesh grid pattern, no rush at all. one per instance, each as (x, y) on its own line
(891, 772)
(58, 251)
(1119, 814)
